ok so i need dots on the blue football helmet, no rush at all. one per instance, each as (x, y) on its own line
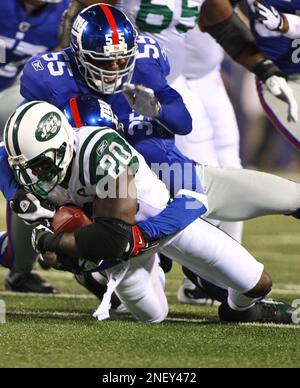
(90, 111)
(104, 43)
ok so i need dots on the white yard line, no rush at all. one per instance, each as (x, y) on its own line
(56, 314)
(284, 290)
(58, 296)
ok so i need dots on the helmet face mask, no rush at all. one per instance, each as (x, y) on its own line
(97, 42)
(40, 143)
(102, 80)
(40, 184)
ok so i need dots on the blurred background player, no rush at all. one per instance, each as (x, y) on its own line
(27, 27)
(275, 25)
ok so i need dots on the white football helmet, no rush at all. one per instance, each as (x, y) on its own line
(39, 142)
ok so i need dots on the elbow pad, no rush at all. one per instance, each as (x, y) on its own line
(102, 240)
(234, 36)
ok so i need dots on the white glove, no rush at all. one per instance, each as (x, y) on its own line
(30, 209)
(269, 16)
(279, 87)
(38, 236)
(142, 100)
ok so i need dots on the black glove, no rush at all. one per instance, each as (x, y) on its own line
(30, 209)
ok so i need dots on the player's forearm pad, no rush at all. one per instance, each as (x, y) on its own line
(105, 239)
(234, 36)
(266, 69)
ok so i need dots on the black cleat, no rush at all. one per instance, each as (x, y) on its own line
(28, 282)
(266, 311)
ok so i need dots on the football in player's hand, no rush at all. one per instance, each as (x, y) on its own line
(68, 219)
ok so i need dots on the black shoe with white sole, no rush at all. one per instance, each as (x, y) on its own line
(28, 282)
(266, 311)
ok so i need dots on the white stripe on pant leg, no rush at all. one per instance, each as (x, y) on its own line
(142, 291)
(238, 194)
(214, 255)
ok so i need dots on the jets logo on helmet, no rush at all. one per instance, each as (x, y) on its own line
(39, 141)
(101, 36)
(48, 127)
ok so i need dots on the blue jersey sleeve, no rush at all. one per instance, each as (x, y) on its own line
(8, 185)
(49, 78)
(183, 211)
(152, 69)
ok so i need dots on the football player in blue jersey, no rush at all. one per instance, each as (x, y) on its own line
(276, 27)
(219, 20)
(27, 27)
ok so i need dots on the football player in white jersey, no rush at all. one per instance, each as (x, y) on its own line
(97, 166)
(215, 136)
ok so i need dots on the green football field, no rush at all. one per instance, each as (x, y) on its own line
(58, 331)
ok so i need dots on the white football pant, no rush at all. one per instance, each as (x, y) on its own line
(239, 194)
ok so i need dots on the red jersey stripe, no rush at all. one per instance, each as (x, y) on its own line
(75, 112)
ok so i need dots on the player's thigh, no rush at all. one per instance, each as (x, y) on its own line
(237, 194)
(142, 290)
(215, 256)
(277, 111)
(220, 112)
(9, 100)
(199, 144)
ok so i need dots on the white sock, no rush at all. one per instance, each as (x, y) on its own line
(240, 302)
